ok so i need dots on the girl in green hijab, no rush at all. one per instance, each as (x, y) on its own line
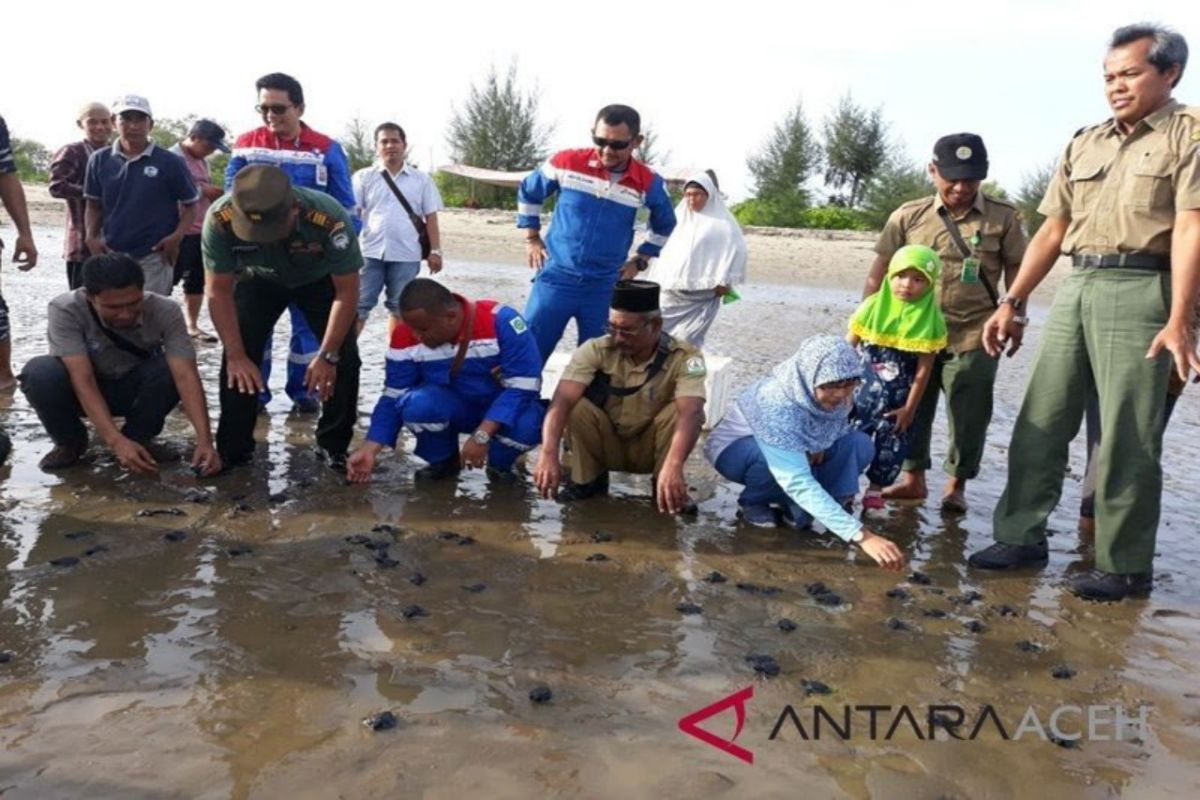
(898, 330)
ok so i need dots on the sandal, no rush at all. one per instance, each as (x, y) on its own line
(872, 499)
(204, 337)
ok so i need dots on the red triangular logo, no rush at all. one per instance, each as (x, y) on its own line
(691, 723)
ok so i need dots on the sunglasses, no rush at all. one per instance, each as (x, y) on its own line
(278, 109)
(611, 144)
(617, 332)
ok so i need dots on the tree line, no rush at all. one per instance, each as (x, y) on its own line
(850, 173)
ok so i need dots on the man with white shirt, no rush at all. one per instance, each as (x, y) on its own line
(391, 232)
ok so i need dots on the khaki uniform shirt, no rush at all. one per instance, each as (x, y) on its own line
(1000, 244)
(681, 376)
(1121, 192)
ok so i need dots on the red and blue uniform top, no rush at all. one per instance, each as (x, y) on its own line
(502, 370)
(312, 160)
(594, 218)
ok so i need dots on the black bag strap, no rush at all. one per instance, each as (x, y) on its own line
(417, 222)
(120, 342)
(656, 366)
(967, 252)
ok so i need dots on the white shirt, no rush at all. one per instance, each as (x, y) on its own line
(387, 233)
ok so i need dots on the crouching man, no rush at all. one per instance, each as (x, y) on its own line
(116, 351)
(456, 367)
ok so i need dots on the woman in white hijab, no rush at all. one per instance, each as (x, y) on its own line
(701, 262)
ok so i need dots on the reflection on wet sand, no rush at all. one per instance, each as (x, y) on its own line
(238, 658)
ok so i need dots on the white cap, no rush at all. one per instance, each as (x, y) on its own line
(132, 102)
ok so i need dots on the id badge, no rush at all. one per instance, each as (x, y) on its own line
(322, 175)
(970, 270)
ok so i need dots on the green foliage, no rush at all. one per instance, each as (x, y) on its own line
(1033, 189)
(460, 192)
(359, 147)
(497, 128)
(33, 160)
(855, 148)
(168, 131)
(833, 218)
(790, 213)
(895, 184)
(782, 167)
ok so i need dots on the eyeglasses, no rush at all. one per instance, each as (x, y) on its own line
(278, 109)
(613, 330)
(611, 144)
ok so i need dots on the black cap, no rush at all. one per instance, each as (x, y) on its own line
(961, 157)
(210, 132)
(636, 296)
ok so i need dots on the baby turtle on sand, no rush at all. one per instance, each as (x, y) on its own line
(920, 578)
(599, 537)
(1062, 672)
(6, 656)
(1026, 646)
(786, 625)
(239, 550)
(763, 664)
(383, 721)
(384, 562)
(65, 561)
(385, 528)
(688, 609)
(898, 593)
(897, 624)
(77, 535)
(410, 612)
(416, 579)
(934, 613)
(815, 687)
(358, 539)
(715, 577)
(464, 541)
(474, 588)
(448, 536)
(597, 557)
(541, 694)
(100, 548)
(754, 588)
(1005, 610)
(175, 536)
(974, 626)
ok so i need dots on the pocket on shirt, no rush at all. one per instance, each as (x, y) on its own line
(1086, 179)
(1149, 184)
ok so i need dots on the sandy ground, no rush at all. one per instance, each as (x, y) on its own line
(238, 656)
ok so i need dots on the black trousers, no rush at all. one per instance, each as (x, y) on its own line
(74, 275)
(259, 304)
(143, 396)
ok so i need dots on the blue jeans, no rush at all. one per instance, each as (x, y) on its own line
(437, 415)
(556, 299)
(838, 473)
(377, 274)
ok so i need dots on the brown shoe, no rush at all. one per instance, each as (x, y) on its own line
(62, 456)
(954, 496)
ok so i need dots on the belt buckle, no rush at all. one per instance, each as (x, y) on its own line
(1092, 260)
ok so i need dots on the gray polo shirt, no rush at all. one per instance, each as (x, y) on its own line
(72, 331)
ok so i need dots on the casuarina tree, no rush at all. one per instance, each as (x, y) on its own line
(855, 148)
(782, 167)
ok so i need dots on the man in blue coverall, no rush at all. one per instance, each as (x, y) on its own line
(454, 367)
(600, 191)
(313, 161)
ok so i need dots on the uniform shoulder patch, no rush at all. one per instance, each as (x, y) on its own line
(694, 367)
(322, 220)
(518, 325)
(224, 216)
(340, 240)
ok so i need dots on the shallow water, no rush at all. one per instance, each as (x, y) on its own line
(159, 668)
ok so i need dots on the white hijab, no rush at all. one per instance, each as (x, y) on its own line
(706, 249)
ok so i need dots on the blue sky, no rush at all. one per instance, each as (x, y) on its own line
(710, 78)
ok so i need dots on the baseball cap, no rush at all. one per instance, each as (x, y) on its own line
(210, 132)
(132, 102)
(961, 157)
(262, 203)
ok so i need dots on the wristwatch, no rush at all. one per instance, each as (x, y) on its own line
(436, 251)
(1017, 303)
(329, 358)
(481, 437)
(642, 262)
(858, 537)
(1019, 320)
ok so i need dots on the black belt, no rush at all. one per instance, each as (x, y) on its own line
(1127, 260)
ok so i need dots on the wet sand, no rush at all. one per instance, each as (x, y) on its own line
(195, 668)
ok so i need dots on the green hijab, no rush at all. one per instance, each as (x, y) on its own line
(916, 326)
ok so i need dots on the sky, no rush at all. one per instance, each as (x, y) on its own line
(711, 79)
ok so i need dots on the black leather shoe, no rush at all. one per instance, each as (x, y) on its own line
(1108, 587)
(439, 471)
(5, 447)
(1010, 556)
(582, 491)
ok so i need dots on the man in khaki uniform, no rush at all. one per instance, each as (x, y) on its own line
(988, 247)
(1124, 204)
(633, 401)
